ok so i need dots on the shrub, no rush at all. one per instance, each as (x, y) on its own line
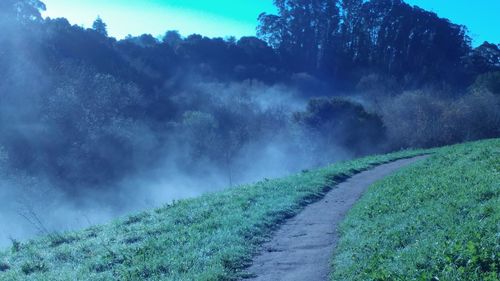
(16, 245)
(343, 122)
(4, 266)
(489, 81)
(57, 239)
(418, 119)
(34, 266)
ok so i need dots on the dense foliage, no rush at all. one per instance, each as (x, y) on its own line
(343, 39)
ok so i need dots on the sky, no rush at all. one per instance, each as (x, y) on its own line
(222, 18)
(213, 18)
(482, 17)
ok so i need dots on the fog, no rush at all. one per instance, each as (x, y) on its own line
(176, 172)
(92, 128)
(45, 185)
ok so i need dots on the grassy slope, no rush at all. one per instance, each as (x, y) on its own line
(208, 238)
(437, 220)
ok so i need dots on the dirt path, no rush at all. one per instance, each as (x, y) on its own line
(303, 246)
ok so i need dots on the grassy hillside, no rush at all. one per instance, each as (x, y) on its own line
(437, 220)
(207, 238)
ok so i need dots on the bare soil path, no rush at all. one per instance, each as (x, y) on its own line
(301, 249)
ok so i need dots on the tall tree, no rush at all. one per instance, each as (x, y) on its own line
(302, 29)
(22, 10)
(406, 40)
(350, 10)
(345, 39)
(100, 26)
(172, 38)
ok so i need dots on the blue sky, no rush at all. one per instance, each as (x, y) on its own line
(239, 17)
(211, 17)
(482, 17)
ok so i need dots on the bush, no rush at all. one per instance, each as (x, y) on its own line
(16, 245)
(475, 116)
(343, 122)
(4, 266)
(418, 119)
(488, 81)
(411, 118)
(34, 266)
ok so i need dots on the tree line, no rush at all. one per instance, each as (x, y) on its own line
(321, 78)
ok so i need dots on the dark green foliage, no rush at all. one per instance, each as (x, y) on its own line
(133, 240)
(172, 38)
(489, 81)
(345, 38)
(100, 27)
(484, 59)
(336, 118)
(34, 266)
(303, 31)
(136, 218)
(16, 245)
(57, 239)
(4, 266)
(92, 97)
(417, 119)
(22, 10)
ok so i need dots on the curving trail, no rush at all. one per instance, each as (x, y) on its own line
(302, 247)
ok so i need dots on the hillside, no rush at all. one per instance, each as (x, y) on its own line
(153, 140)
(435, 219)
(94, 126)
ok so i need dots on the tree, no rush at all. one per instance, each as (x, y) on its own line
(483, 59)
(346, 39)
(22, 10)
(489, 81)
(343, 122)
(100, 26)
(403, 39)
(172, 38)
(349, 27)
(303, 29)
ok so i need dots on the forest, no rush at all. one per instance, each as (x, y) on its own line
(146, 119)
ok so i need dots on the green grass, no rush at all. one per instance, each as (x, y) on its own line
(212, 237)
(436, 220)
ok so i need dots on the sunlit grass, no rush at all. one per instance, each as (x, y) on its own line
(212, 237)
(436, 220)
(439, 218)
